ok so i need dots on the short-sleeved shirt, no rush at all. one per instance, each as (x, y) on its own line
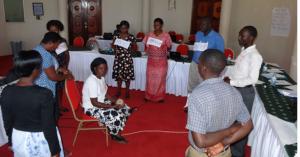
(93, 87)
(48, 61)
(214, 105)
(214, 41)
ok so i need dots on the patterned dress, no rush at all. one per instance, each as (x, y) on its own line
(123, 64)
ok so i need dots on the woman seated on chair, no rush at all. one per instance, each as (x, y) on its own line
(98, 104)
(28, 111)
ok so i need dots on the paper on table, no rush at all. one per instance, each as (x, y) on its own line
(269, 75)
(274, 70)
(200, 46)
(282, 82)
(62, 47)
(293, 87)
(288, 93)
(154, 42)
(287, 132)
(273, 64)
(122, 43)
(260, 82)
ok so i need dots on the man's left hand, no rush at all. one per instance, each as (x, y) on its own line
(215, 150)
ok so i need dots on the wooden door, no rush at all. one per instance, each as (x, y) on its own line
(202, 8)
(85, 19)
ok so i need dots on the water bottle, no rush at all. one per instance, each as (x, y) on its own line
(265, 68)
(273, 79)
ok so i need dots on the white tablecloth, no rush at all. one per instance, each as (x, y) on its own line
(270, 133)
(106, 44)
(177, 78)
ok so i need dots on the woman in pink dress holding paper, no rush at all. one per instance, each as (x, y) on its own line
(123, 70)
(157, 45)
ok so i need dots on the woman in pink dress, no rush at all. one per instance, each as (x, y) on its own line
(157, 45)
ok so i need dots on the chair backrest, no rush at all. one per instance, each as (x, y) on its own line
(140, 35)
(192, 38)
(172, 33)
(228, 52)
(179, 37)
(73, 95)
(183, 49)
(78, 41)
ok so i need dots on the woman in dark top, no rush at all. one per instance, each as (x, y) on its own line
(29, 118)
(123, 65)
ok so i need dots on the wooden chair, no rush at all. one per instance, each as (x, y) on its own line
(74, 99)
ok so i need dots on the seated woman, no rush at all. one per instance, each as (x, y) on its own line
(29, 120)
(98, 104)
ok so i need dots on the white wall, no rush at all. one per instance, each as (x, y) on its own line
(178, 19)
(259, 14)
(244, 12)
(114, 11)
(31, 30)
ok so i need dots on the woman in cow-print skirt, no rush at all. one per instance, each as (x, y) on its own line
(98, 104)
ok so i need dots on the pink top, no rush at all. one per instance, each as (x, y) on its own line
(158, 52)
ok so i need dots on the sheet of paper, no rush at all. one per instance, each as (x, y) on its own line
(62, 47)
(274, 70)
(273, 64)
(281, 22)
(122, 43)
(200, 46)
(269, 75)
(293, 87)
(283, 83)
(288, 93)
(154, 42)
(260, 82)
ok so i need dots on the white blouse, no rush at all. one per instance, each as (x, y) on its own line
(93, 88)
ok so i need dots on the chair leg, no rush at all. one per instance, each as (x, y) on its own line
(77, 131)
(106, 134)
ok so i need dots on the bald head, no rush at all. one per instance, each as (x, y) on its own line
(212, 63)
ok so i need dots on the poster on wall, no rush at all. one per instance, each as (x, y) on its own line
(13, 10)
(281, 22)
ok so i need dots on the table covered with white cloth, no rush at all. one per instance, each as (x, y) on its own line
(177, 77)
(273, 115)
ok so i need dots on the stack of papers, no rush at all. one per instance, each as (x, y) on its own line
(274, 71)
(283, 83)
(288, 93)
(269, 75)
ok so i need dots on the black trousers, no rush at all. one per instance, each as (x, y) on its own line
(248, 94)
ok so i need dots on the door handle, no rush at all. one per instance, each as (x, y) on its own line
(85, 25)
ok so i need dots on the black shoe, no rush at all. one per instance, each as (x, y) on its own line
(185, 109)
(133, 109)
(161, 101)
(119, 139)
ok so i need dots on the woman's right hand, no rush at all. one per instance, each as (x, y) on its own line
(57, 155)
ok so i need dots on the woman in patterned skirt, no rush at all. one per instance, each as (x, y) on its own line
(157, 45)
(98, 104)
(123, 70)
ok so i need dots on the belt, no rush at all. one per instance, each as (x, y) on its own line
(249, 86)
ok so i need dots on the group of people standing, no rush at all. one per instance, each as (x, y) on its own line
(157, 44)
(218, 106)
(221, 99)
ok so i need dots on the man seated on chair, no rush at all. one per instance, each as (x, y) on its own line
(217, 116)
(98, 104)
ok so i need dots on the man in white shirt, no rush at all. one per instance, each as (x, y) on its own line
(244, 74)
